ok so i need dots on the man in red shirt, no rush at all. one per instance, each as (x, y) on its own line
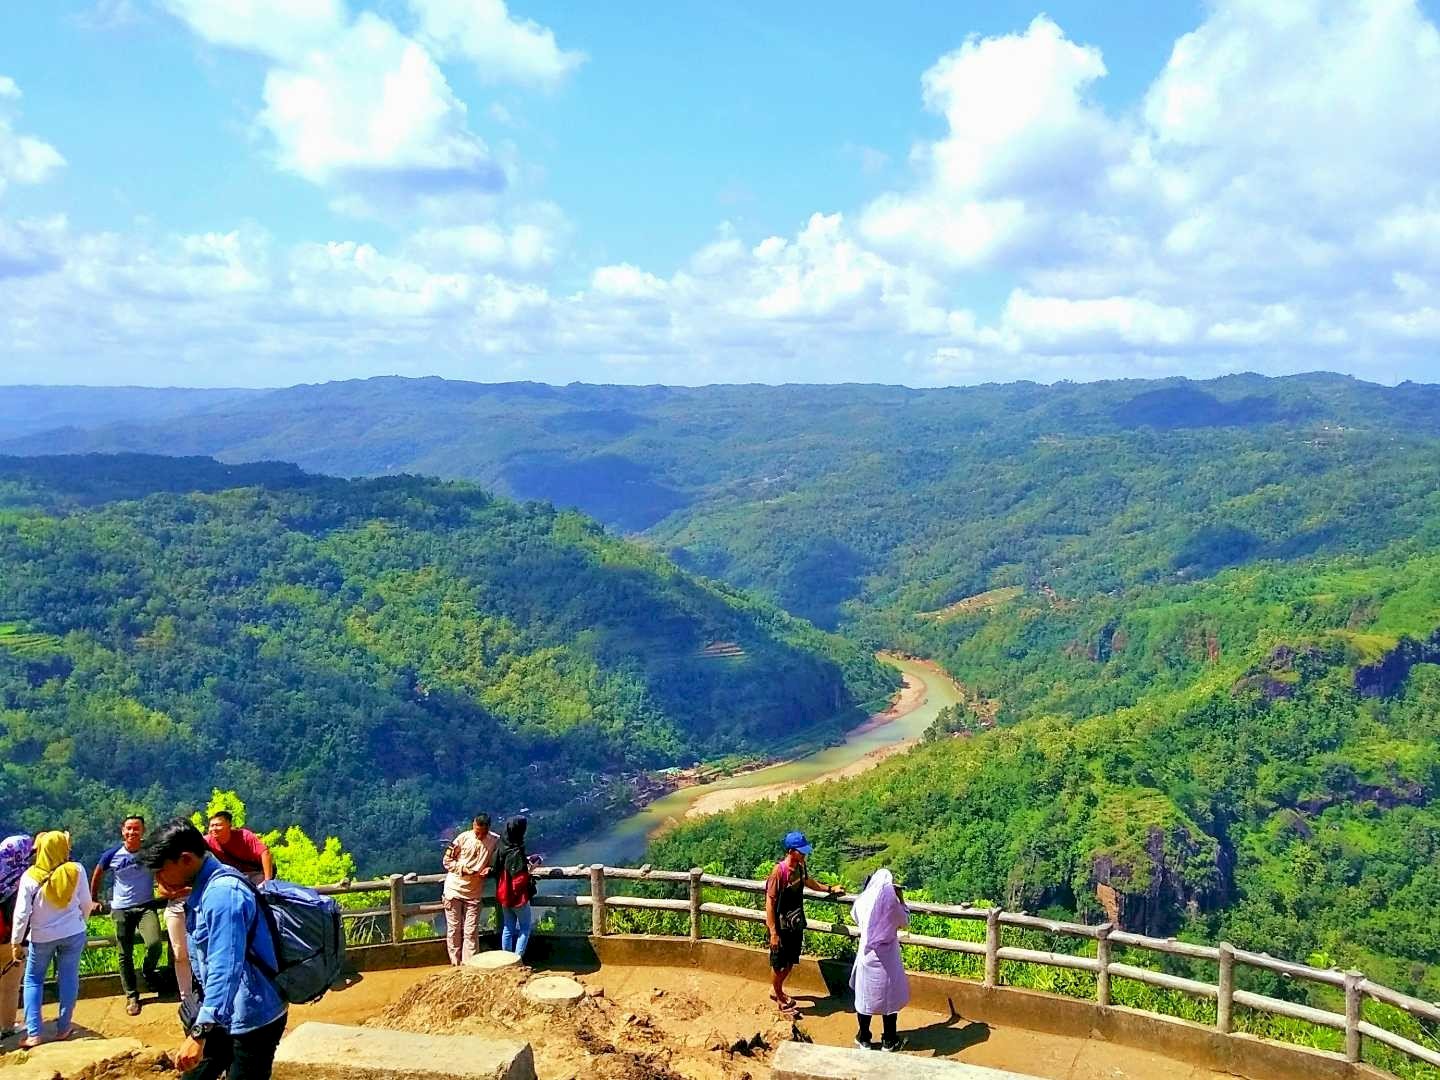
(239, 848)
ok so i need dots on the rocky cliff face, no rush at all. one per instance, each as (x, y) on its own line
(1158, 862)
(1387, 675)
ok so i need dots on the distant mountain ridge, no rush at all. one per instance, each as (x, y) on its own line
(839, 502)
(29, 410)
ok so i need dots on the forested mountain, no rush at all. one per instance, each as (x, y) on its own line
(1254, 758)
(848, 504)
(28, 409)
(377, 659)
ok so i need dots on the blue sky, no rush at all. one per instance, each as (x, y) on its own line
(258, 192)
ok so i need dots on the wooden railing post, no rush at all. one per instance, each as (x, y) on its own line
(597, 900)
(1102, 961)
(397, 907)
(992, 947)
(697, 897)
(1353, 979)
(1225, 999)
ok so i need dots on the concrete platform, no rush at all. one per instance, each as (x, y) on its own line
(315, 1051)
(806, 1061)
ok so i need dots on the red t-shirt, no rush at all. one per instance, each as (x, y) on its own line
(243, 851)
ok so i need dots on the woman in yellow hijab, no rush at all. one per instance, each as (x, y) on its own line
(53, 871)
(50, 912)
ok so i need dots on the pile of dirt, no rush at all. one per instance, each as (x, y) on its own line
(139, 1065)
(667, 1039)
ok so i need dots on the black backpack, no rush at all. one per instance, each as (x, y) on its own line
(309, 939)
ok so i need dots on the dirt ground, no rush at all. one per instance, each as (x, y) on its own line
(639, 1023)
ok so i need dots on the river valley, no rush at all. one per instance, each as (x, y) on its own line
(927, 691)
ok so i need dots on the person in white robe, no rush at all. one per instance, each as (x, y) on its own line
(878, 978)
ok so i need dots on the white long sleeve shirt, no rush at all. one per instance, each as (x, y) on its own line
(45, 921)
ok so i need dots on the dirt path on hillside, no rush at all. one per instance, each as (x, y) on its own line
(912, 694)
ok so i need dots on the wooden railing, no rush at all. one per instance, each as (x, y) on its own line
(1354, 985)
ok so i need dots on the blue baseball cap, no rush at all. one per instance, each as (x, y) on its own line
(796, 841)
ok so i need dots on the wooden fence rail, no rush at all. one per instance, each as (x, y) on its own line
(599, 901)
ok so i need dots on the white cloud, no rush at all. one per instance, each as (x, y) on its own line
(1023, 143)
(24, 159)
(1271, 203)
(625, 282)
(373, 111)
(280, 29)
(1114, 323)
(31, 246)
(360, 107)
(503, 49)
(526, 244)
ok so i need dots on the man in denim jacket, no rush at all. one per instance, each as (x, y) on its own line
(241, 1015)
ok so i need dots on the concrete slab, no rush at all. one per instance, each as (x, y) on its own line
(805, 1061)
(315, 1051)
(553, 991)
(49, 1060)
(494, 960)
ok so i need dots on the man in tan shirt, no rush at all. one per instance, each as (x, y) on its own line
(467, 864)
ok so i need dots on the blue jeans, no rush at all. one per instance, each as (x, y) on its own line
(66, 953)
(515, 934)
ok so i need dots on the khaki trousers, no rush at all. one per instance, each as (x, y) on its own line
(462, 928)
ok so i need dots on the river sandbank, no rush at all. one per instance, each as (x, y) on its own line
(913, 693)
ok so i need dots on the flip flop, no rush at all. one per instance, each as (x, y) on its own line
(28, 1043)
(62, 1036)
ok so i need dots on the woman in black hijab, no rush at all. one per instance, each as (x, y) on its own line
(514, 888)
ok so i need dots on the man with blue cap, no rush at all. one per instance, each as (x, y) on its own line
(785, 912)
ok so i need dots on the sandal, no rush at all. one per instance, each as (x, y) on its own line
(61, 1036)
(28, 1043)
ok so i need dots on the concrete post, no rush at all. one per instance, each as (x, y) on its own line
(992, 947)
(1353, 979)
(597, 900)
(697, 898)
(1225, 1000)
(397, 907)
(1102, 957)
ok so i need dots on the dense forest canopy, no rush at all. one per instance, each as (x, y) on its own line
(1253, 758)
(377, 659)
(845, 503)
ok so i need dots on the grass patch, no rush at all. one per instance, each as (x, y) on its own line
(985, 601)
(15, 638)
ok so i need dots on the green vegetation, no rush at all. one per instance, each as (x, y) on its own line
(851, 504)
(375, 659)
(1243, 758)
(1201, 616)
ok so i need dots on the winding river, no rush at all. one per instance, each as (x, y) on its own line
(927, 691)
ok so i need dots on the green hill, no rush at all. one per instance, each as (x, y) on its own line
(1254, 758)
(377, 659)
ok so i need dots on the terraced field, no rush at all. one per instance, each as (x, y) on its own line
(15, 638)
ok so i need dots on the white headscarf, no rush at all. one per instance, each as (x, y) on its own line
(878, 911)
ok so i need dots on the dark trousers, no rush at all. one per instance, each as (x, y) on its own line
(128, 923)
(240, 1057)
(890, 1022)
